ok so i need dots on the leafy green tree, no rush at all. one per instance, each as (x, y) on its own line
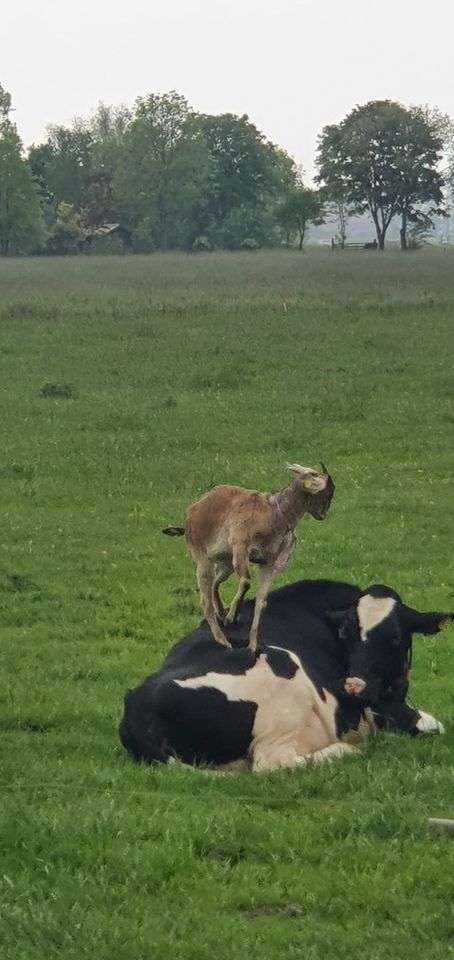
(21, 224)
(302, 206)
(5, 103)
(63, 163)
(162, 170)
(246, 173)
(108, 128)
(77, 165)
(382, 158)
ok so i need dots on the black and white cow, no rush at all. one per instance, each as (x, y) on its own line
(334, 660)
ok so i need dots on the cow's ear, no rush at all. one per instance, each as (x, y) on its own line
(428, 623)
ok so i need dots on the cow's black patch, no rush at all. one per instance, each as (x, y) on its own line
(281, 663)
(199, 726)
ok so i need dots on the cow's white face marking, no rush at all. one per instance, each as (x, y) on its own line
(372, 611)
(428, 724)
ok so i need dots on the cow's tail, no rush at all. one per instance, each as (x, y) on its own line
(143, 741)
(174, 531)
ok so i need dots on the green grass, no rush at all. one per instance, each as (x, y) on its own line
(185, 372)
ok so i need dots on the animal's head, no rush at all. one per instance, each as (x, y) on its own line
(377, 632)
(318, 485)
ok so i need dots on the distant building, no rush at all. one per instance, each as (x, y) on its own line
(107, 230)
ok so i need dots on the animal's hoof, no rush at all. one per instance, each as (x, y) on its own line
(230, 618)
(428, 724)
(355, 686)
(255, 648)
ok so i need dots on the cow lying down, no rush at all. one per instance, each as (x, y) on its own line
(334, 661)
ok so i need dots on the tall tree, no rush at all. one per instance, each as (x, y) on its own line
(63, 163)
(21, 225)
(108, 128)
(302, 207)
(162, 170)
(246, 172)
(382, 158)
(77, 164)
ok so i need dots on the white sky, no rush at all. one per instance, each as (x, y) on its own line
(291, 65)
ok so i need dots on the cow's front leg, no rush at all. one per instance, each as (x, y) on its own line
(426, 723)
(398, 715)
(288, 759)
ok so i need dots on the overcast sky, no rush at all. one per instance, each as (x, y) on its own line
(291, 65)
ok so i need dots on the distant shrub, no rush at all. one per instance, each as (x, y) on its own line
(105, 245)
(66, 233)
(249, 244)
(56, 390)
(202, 245)
(142, 237)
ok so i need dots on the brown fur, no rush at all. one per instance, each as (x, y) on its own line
(229, 527)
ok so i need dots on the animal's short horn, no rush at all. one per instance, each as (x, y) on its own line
(324, 469)
(298, 468)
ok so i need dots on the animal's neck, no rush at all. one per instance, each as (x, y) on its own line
(292, 501)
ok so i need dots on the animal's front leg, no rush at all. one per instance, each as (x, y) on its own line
(397, 715)
(264, 579)
(426, 723)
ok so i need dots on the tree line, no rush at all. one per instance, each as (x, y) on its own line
(161, 176)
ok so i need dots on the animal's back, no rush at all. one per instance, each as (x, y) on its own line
(216, 510)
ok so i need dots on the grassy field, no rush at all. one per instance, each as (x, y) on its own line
(185, 372)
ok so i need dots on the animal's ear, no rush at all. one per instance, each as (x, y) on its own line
(428, 623)
(312, 481)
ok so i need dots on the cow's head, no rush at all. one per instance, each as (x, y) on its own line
(377, 632)
(319, 486)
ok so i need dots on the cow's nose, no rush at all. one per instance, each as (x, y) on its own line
(355, 686)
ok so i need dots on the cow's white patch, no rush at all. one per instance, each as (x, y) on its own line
(428, 724)
(372, 611)
(291, 720)
(258, 684)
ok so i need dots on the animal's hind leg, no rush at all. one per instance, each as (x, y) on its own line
(221, 574)
(205, 580)
(241, 568)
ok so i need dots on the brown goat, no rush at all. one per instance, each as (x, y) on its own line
(230, 527)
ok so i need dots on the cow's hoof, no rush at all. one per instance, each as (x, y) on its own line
(428, 724)
(354, 686)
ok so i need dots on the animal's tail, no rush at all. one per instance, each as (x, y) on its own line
(174, 531)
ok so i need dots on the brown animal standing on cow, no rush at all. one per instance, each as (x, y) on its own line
(230, 527)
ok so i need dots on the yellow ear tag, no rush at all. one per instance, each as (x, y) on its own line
(307, 484)
(444, 623)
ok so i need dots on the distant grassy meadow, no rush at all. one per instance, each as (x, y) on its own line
(186, 372)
